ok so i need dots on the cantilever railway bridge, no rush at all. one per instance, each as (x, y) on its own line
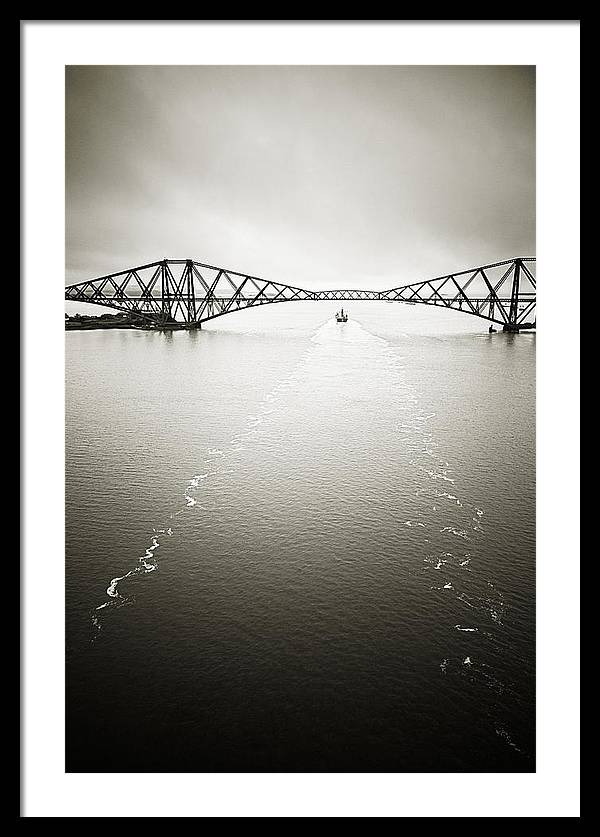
(188, 293)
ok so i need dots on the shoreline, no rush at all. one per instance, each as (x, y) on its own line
(93, 326)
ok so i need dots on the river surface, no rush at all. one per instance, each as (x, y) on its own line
(299, 546)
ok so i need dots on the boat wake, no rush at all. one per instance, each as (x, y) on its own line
(215, 463)
(146, 563)
(475, 634)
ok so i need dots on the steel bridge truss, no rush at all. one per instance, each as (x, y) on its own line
(189, 293)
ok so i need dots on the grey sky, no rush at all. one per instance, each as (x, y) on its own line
(315, 176)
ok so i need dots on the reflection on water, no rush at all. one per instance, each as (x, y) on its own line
(299, 545)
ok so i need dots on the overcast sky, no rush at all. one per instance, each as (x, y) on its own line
(315, 176)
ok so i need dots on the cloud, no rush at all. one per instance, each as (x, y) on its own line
(300, 174)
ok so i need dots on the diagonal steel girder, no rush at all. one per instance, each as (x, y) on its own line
(161, 292)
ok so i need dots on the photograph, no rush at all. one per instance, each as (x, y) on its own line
(300, 537)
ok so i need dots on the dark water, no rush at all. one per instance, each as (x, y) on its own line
(325, 540)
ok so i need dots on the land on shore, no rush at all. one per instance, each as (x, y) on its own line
(82, 322)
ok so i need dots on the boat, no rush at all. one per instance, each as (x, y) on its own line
(341, 317)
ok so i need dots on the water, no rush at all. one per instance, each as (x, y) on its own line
(295, 546)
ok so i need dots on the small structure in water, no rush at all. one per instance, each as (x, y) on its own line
(491, 329)
(341, 317)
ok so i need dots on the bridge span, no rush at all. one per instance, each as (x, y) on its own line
(181, 291)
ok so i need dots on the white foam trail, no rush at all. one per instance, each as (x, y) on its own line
(462, 597)
(111, 590)
(442, 477)
(460, 533)
(449, 496)
(149, 556)
(439, 470)
(438, 560)
(145, 564)
(435, 475)
(503, 734)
